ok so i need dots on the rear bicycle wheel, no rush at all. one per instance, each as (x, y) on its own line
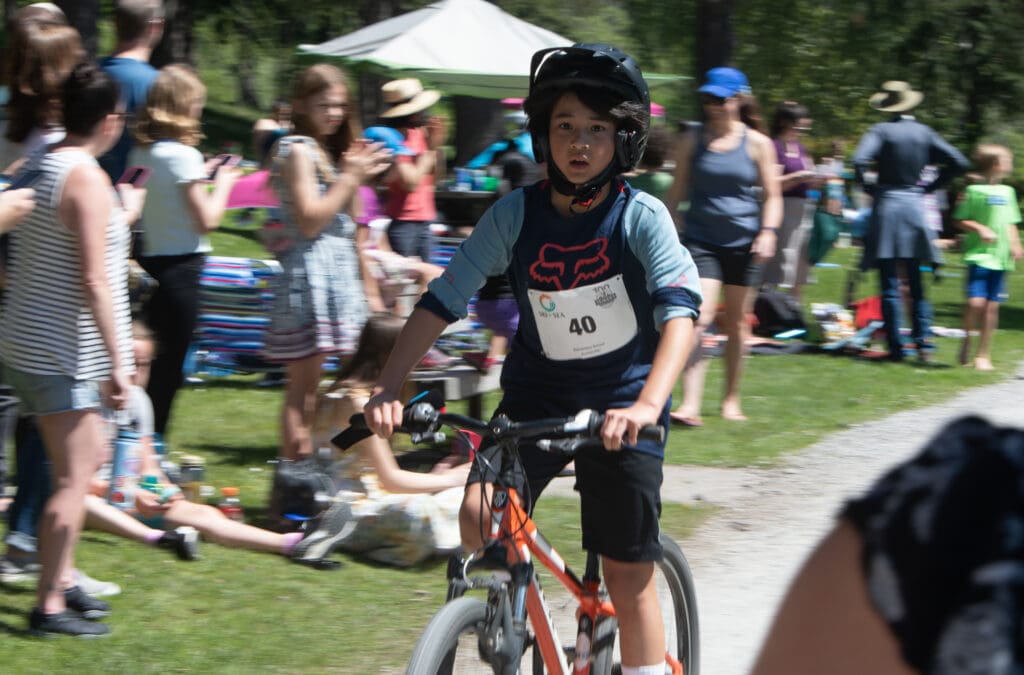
(450, 642)
(678, 599)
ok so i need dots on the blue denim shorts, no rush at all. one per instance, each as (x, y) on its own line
(49, 394)
(985, 283)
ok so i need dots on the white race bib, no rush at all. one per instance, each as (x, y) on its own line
(584, 322)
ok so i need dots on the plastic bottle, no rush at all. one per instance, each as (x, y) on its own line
(124, 470)
(229, 505)
(193, 471)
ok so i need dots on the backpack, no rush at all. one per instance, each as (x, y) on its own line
(777, 312)
(295, 490)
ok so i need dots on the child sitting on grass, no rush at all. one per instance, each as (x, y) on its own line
(989, 213)
(402, 517)
(165, 518)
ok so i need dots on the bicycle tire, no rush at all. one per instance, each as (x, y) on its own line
(450, 638)
(683, 638)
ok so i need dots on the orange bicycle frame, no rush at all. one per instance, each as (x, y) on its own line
(518, 534)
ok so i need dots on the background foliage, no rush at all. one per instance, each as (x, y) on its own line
(966, 55)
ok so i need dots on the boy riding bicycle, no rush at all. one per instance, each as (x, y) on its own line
(607, 299)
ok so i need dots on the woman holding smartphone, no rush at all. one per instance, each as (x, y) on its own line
(181, 210)
(319, 304)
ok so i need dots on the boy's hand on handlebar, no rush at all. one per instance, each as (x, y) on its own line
(383, 413)
(625, 423)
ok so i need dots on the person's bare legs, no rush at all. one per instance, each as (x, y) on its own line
(989, 323)
(634, 593)
(218, 528)
(974, 312)
(697, 364)
(738, 302)
(474, 521)
(74, 441)
(99, 515)
(299, 411)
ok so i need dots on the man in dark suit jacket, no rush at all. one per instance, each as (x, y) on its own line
(898, 238)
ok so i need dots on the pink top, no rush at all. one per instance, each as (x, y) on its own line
(371, 206)
(418, 204)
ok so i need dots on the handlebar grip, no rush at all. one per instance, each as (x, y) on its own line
(356, 432)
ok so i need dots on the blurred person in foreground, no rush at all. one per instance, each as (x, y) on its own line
(921, 574)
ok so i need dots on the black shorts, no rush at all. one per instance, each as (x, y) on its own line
(733, 266)
(620, 494)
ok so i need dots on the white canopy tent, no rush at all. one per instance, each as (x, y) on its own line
(462, 47)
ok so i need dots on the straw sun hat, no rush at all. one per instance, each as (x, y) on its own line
(406, 97)
(895, 96)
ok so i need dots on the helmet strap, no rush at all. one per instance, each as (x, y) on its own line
(584, 193)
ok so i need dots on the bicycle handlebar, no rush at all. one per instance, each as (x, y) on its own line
(421, 420)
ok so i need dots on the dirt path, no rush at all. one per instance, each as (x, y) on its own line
(744, 557)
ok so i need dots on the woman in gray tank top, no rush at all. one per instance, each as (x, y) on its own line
(726, 168)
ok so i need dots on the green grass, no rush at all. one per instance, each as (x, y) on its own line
(236, 611)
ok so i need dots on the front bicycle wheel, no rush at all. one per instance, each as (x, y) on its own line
(450, 642)
(678, 599)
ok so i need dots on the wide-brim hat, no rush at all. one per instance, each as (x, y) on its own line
(895, 96)
(407, 96)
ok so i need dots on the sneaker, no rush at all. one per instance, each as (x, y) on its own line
(325, 532)
(87, 606)
(68, 622)
(95, 587)
(184, 541)
(13, 570)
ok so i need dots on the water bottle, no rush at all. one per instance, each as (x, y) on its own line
(124, 470)
(229, 505)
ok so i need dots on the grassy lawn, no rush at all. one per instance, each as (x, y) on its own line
(235, 611)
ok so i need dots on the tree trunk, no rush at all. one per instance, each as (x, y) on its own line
(83, 15)
(478, 123)
(176, 46)
(715, 39)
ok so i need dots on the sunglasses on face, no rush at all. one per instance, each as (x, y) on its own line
(711, 99)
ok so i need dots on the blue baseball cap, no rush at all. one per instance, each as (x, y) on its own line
(725, 82)
(392, 139)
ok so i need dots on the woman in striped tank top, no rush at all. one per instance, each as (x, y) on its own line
(65, 337)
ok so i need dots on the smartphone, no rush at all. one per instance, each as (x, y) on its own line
(223, 160)
(136, 176)
(23, 180)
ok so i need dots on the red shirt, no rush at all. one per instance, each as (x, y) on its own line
(418, 204)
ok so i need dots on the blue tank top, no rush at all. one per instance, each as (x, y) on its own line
(724, 208)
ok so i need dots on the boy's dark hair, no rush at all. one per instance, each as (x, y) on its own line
(132, 18)
(90, 94)
(788, 114)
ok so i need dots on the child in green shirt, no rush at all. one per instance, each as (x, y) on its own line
(989, 213)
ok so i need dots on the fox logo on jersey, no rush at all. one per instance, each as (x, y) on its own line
(565, 267)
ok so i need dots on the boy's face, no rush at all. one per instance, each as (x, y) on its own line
(582, 142)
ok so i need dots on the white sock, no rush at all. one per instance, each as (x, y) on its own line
(656, 669)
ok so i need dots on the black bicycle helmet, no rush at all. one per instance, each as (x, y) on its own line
(602, 67)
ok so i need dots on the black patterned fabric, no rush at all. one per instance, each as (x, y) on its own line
(944, 550)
